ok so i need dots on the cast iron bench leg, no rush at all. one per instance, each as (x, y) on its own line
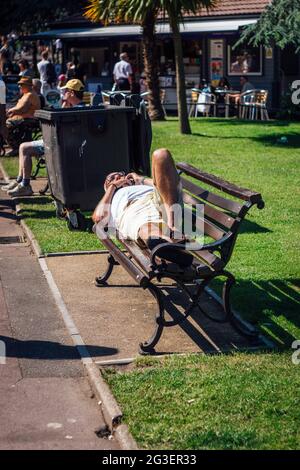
(101, 280)
(147, 347)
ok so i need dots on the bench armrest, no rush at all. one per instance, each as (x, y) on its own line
(191, 246)
(223, 185)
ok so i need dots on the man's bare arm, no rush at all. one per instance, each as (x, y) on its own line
(140, 179)
(102, 211)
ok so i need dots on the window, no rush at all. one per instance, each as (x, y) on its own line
(244, 60)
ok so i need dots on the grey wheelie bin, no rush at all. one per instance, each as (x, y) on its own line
(83, 145)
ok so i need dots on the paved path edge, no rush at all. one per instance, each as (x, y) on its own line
(110, 409)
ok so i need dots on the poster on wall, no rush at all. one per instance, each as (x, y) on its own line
(216, 60)
(216, 49)
(216, 70)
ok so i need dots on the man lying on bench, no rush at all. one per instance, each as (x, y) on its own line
(145, 210)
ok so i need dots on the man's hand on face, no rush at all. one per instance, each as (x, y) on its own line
(137, 179)
(121, 181)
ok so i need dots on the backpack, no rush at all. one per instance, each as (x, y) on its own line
(50, 73)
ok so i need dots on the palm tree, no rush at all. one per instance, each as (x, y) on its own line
(118, 11)
(138, 11)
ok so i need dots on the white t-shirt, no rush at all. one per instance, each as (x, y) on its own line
(121, 199)
(122, 69)
(58, 44)
(42, 66)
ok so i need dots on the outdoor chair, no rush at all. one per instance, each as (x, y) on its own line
(205, 101)
(193, 103)
(258, 106)
(25, 131)
(162, 100)
(253, 105)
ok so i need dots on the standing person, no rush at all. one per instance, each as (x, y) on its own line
(123, 75)
(47, 73)
(25, 71)
(58, 50)
(246, 86)
(62, 80)
(70, 73)
(6, 48)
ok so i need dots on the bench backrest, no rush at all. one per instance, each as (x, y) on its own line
(222, 216)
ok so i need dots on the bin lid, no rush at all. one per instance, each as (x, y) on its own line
(55, 114)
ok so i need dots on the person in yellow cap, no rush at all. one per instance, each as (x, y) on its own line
(73, 93)
(24, 109)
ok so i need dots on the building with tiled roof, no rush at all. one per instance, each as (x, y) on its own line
(208, 47)
(235, 8)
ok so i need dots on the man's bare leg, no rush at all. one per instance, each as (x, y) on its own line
(166, 180)
(26, 151)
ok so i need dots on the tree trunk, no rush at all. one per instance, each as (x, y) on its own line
(180, 79)
(151, 65)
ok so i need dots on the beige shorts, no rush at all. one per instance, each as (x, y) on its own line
(148, 209)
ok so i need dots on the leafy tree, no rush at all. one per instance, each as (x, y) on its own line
(145, 12)
(279, 24)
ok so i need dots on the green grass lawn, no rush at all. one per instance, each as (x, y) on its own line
(211, 402)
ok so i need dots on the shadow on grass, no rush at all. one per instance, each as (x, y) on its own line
(50, 350)
(252, 227)
(237, 122)
(268, 304)
(293, 140)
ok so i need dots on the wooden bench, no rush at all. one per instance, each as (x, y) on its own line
(221, 220)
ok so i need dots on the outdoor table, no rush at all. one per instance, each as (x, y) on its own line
(227, 94)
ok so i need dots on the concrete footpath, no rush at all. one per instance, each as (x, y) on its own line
(45, 398)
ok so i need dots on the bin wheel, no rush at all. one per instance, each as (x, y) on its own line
(76, 221)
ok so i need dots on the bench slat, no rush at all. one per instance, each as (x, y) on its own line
(119, 256)
(209, 228)
(141, 256)
(212, 198)
(223, 185)
(210, 259)
(209, 211)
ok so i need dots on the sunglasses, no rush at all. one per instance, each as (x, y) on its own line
(111, 176)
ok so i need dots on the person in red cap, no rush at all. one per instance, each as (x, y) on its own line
(62, 80)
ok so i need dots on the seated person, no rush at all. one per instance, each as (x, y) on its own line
(246, 86)
(24, 109)
(224, 84)
(21, 186)
(27, 104)
(146, 210)
(36, 86)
